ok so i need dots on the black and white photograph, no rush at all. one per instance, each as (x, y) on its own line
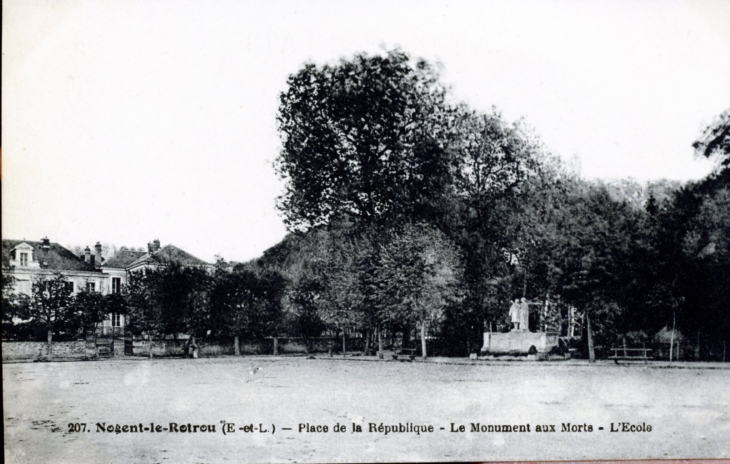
(365, 231)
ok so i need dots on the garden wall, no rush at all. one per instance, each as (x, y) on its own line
(29, 350)
(14, 350)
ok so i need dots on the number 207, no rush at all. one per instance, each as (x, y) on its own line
(77, 427)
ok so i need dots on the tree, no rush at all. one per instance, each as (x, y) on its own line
(363, 138)
(689, 288)
(51, 306)
(12, 302)
(493, 161)
(304, 299)
(597, 265)
(92, 308)
(170, 300)
(182, 294)
(715, 140)
(145, 314)
(246, 302)
(342, 305)
(415, 277)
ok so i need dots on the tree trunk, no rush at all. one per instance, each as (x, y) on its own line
(697, 350)
(236, 346)
(367, 342)
(591, 351)
(423, 340)
(49, 348)
(571, 329)
(343, 342)
(380, 343)
(151, 355)
(276, 346)
(671, 340)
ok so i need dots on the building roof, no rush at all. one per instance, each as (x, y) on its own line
(123, 258)
(55, 258)
(169, 254)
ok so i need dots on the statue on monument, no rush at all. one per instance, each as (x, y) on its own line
(524, 315)
(514, 314)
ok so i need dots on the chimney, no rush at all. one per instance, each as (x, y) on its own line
(97, 253)
(156, 244)
(45, 243)
(87, 255)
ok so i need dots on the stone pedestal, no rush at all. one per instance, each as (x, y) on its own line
(518, 342)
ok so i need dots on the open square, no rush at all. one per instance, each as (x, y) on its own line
(687, 407)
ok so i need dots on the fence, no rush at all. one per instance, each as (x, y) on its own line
(284, 345)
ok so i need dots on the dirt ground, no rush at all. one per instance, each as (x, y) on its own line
(687, 407)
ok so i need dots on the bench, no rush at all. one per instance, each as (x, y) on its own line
(410, 352)
(631, 354)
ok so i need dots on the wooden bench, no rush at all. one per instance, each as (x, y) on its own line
(410, 352)
(631, 354)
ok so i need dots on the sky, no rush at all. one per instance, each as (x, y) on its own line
(128, 120)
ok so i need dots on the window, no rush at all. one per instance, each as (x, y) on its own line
(70, 286)
(116, 320)
(116, 284)
(90, 286)
(23, 259)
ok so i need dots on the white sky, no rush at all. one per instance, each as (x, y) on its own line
(126, 120)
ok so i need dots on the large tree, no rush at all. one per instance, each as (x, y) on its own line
(364, 138)
(493, 161)
(596, 268)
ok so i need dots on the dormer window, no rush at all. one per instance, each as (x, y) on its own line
(22, 256)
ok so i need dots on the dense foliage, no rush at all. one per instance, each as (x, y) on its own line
(385, 174)
(413, 216)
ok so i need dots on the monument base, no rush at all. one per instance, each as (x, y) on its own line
(519, 342)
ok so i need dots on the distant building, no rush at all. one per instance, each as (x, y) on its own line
(30, 259)
(157, 257)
